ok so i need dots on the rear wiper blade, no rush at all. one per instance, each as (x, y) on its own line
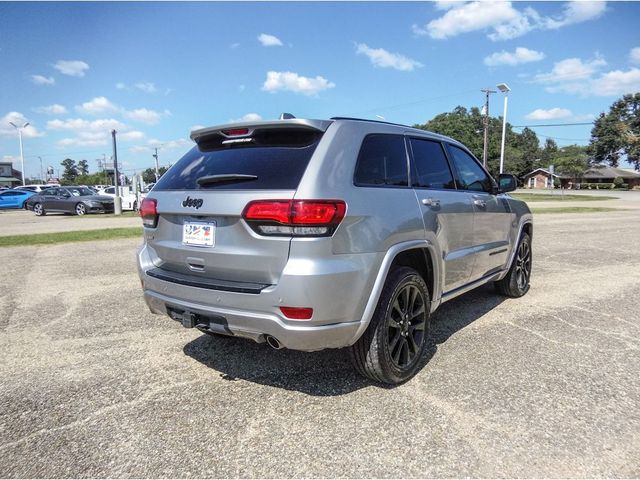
(228, 177)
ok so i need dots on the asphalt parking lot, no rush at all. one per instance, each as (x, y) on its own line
(92, 385)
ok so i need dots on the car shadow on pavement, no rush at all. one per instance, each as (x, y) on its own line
(328, 372)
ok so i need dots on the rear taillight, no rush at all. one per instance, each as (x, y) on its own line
(300, 218)
(149, 213)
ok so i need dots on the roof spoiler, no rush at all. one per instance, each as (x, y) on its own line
(317, 125)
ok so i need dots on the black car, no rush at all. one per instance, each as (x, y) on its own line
(77, 200)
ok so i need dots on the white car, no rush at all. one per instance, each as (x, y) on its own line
(127, 194)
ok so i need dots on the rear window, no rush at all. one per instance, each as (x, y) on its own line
(276, 159)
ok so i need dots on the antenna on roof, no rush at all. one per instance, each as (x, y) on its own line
(286, 116)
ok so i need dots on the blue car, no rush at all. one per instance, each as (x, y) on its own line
(14, 198)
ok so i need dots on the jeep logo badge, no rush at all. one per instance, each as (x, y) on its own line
(193, 202)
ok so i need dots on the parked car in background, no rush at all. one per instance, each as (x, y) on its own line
(76, 200)
(127, 194)
(37, 188)
(14, 198)
(313, 234)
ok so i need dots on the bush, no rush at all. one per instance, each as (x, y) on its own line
(618, 181)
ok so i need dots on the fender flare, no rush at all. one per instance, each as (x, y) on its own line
(383, 271)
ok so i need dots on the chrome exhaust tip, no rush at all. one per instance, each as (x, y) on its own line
(273, 342)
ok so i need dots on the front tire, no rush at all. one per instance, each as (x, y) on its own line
(80, 209)
(38, 209)
(391, 349)
(517, 281)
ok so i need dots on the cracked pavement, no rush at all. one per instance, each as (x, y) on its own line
(93, 385)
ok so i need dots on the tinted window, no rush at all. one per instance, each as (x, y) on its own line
(278, 165)
(471, 175)
(431, 169)
(50, 191)
(382, 161)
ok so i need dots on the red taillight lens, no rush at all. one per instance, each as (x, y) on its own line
(277, 211)
(309, 218)
(297, 313)
(311, 212)
(149, 213)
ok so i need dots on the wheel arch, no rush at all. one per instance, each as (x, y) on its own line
(421, 255)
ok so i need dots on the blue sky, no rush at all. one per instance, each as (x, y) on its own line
(155, 70)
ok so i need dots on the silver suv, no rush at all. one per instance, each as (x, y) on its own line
(314, 234)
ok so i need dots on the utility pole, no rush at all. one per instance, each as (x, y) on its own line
(485, 150)
(117, 201)
(41, 177)
(155, 155)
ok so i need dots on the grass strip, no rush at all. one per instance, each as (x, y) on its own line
(66, 237)
(548, 197)
(574, 210)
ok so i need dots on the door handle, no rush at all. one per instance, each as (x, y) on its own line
(480, 203)
(431, 202)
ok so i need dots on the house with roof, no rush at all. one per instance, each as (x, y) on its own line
(8, 176)
(541, 178)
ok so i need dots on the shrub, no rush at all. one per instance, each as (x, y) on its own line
(618, 181)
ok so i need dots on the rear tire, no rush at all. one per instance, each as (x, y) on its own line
(516, 283)
(391, 349)
(38, 209)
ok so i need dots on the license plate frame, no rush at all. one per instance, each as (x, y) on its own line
(194, 234)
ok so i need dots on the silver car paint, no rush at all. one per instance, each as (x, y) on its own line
(341, 276)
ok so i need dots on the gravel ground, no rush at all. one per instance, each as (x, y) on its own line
(92, 385)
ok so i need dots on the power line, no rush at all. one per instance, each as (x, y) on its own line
(410, 104)
(552, 125)
(561, 138)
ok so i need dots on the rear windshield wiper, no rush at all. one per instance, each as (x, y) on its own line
(225, 178)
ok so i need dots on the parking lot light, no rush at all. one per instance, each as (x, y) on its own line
(19, 129)
(504, 88)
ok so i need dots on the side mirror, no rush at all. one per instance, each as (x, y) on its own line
(507, 183)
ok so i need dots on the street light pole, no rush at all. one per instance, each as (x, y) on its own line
(157, 170)
(41, 177)
(504, 88)
(19, 129)
(117, 201)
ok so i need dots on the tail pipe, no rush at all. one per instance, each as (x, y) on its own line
(273, 342)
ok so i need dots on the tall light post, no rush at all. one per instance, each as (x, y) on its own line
(19, 129)
(504, 88)
(41, 176)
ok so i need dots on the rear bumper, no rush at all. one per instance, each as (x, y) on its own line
(337, 289)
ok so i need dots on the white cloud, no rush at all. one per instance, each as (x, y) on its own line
(519, 56)
(79, 125)
(269, 40)
(241, 88)
(55, 109)
(502, 19)
(120, 86)
(634, 55)
(144, 115)
(234, 45)
(293, 82)
(97, 105)
(162, 145)
(147, 87)
(73, 68)
(42, 80)
(249, 117)
(571, 69)
(132, 135)
(18, 119)
(551, 114)
(380, 57)
(617, 83)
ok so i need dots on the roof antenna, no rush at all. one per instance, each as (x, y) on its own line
(286, 116)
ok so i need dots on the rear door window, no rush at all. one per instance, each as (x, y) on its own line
(431, 168)
(273, 160)
(382, 162)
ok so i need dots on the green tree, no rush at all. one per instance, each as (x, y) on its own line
(83, 167)
(149, 175)
(70, 171)
(617, 133)
(466, 126)
(572, 160)
(548, 153)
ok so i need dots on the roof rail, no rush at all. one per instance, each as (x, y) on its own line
(369, 120)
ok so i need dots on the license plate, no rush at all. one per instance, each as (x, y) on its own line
(199, 234)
